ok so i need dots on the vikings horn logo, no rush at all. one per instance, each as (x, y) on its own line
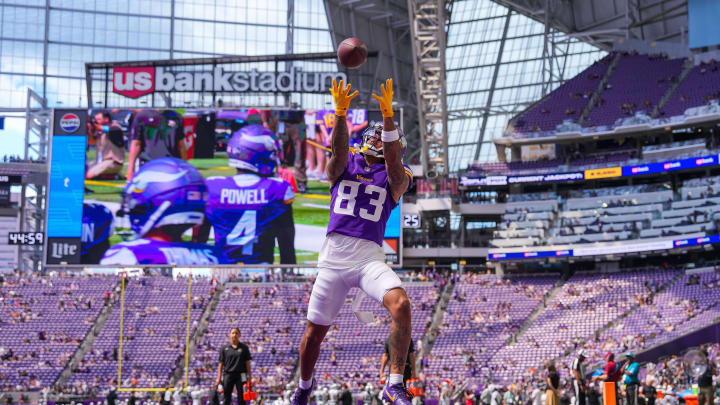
(141, 180)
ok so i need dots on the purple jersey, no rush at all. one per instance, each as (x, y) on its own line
(245, 211)
(361, 200)
(326, 118)
(149, 251)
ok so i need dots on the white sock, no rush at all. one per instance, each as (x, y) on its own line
(395, 379)
(305, 384)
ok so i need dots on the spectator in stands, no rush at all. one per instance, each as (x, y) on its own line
(552, 391)
(705, 383)
(234, 367)
(630, 378)
(578, 375)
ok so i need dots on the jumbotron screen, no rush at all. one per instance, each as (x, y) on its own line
(211, 187)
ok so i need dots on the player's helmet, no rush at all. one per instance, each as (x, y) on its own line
(165, 191)
(98, 225)
(372, 135)
(253, 148)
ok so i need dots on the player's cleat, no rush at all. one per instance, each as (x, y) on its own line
(302, 396)
(396, 394)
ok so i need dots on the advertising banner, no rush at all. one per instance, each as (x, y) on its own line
(591, 174)
(147, 201)
(137, 81)
(484, 181)
(672, 165)
(545, 178)
(604, 173)
(607, 250)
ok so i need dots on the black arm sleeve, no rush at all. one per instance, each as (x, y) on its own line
(202, 233)
(285, 233)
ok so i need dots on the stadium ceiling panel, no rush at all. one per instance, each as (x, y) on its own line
(601, 22)
(384, 26)
(498, 62)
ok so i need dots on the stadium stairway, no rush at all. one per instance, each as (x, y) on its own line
(627, 313)
(203, 322)
(600, 89)
(687, 67)
(437, 320)
(538, 310)
(89, 339)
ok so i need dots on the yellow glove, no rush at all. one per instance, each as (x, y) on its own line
(341, 97)
(386, 100)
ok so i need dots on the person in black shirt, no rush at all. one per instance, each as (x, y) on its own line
(648, 392)
(346, 397)
(705, 384)
(111, 396)
(234, 367)
(409, 362)
(552, 392)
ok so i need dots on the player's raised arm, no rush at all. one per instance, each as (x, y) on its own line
(340, 138)
(397, 176)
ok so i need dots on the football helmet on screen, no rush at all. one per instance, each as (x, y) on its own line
(254, 148)
(165, 191)
(372, 141)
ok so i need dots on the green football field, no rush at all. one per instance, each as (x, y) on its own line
(306, 208)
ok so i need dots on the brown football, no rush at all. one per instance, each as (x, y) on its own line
(352, 53)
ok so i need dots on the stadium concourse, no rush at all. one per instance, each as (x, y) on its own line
(494, 330)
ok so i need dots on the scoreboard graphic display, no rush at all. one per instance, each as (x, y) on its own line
(100, 213)
(66, 186)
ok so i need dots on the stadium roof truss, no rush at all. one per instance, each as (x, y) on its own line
(601, 22)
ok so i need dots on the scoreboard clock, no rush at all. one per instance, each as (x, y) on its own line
(25, 238)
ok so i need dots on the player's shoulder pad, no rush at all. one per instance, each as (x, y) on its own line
(119, 255)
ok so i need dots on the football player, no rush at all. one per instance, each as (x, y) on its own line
(366, 186)
(164, 199)
(249, 210)
(97, 227)
(154, 134)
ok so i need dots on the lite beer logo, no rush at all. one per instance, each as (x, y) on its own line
(70, 122)
(133, 82)
(59, 250)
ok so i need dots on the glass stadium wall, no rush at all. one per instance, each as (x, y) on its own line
(495, 70)
(44, 44)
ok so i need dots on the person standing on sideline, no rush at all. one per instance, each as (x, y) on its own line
(553, 386)
(578, 373)
(705, 384)
(630, 378)
(610, 374)
(649, 392)
(234, 367)
(409, 371)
